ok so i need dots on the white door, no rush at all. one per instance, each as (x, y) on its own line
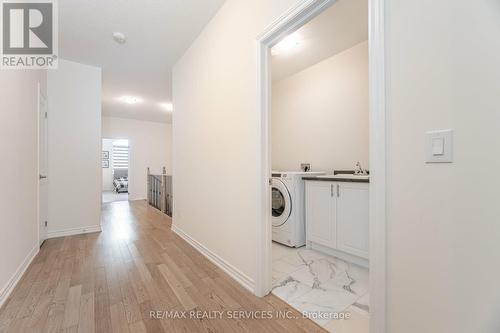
(42, 166)
(353, 219)
(321, 213)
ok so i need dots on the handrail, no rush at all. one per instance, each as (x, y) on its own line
(160, 194)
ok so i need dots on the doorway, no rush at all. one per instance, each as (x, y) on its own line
(43, 193)
(283, 28)
(115, 170)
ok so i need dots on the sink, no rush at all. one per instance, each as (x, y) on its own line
(346, 176)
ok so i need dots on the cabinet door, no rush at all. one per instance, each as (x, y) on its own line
(320, 212)
(353, 219)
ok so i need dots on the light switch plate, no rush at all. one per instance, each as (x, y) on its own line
(439, 146)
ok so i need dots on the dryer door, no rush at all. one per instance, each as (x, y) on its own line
(281, 203)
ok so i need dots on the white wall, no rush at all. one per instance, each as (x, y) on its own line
(150, 146)
(215, 133)
(443, 232)
(74, 97)
(107, 173)
(320, 115)
(444, 227)
(18, 173)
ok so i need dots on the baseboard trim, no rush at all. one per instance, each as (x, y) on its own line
(14, 280)
(235, 273)
(73, 231)
(339, 254)
(132, 198)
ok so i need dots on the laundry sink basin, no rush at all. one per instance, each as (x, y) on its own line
(346, 176)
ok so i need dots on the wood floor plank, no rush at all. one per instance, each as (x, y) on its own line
(137, 283)
(9, 313)
(72, 329)
(88, 274)
(57, 308)
(19, 325)
(31, 299)
(118, 318)
(151, 324)
(113, 282)
(138, 327)
(179, 274)
(39, 317)
(162, 295)
(183, 297)
(100, 283)
(87, 321)
(53, 278)
(72, 311)
(102, 313)
(130, 304)
(23, 288)
(228, 300)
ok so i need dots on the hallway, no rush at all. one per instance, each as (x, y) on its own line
(112, 196)
(111, 281)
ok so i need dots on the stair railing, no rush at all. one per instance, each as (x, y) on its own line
(160, 195)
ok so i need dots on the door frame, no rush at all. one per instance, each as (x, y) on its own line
(379, 139)
(39, 121)
(111, 152)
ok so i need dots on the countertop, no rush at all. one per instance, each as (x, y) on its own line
(333, 178)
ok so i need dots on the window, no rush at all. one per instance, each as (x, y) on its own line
(120, 154)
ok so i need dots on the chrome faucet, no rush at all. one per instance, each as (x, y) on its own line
(359, 170)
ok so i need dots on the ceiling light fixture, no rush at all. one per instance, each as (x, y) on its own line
(130, 99)
(119, 37)
(286, 45)
(167, 106)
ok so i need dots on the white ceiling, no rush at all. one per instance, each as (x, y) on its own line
(337, 29)
(158, 32)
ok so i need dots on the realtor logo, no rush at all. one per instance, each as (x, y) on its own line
(29, 34)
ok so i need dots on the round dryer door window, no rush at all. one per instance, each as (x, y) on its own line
(281, 203)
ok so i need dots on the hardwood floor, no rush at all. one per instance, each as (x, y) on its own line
(112, 281)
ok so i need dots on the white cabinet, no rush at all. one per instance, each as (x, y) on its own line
(337, 216)
(353, 219)
(321, 213)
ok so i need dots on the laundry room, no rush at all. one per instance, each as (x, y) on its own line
(320, 196)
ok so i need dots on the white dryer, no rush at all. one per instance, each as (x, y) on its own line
(288, 215)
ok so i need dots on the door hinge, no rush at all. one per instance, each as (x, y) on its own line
(270, 181)
(46, 115)
(338, 190)
(46, 223)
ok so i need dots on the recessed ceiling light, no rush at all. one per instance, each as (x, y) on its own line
(130, 99)
(287, 45)
(119, 37)
(167, 106)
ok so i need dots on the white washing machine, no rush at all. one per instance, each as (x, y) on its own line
(288, 211)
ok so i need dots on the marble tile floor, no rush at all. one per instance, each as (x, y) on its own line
(322, 286)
